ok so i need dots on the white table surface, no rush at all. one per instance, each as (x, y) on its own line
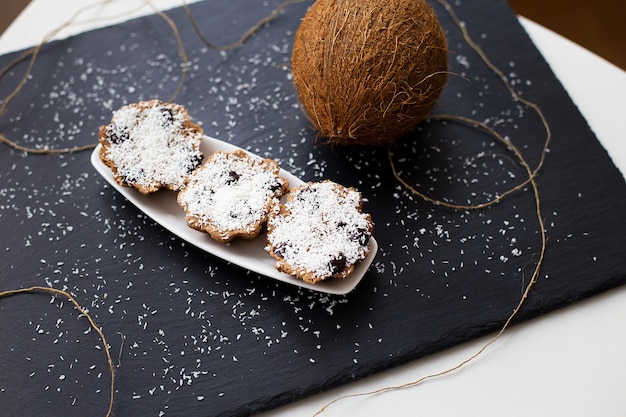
(569, 363)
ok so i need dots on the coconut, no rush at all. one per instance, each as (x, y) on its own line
(368, 71)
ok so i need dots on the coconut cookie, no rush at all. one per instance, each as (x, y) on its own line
(151, 145)
(320, 232)
(231, 195)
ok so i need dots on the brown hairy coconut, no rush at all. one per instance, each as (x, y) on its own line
(368, 71)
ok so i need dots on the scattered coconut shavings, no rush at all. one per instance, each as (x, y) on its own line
(223, 324)
(178, 362)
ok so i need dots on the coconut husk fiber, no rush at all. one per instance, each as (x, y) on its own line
(368, 71)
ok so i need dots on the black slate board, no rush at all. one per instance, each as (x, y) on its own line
(195, 336)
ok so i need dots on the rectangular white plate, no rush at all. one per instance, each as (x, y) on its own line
(249, 254)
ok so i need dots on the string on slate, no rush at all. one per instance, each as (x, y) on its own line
(530, 180)
(278, 10)
(492, 132)
(181, 49)
(93, 324)
(34, 52)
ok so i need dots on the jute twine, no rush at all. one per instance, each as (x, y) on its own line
(91, 322)
(531, 172)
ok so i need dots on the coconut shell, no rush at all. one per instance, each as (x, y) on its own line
(368, 71)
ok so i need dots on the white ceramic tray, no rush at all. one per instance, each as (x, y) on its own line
(249, 254)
